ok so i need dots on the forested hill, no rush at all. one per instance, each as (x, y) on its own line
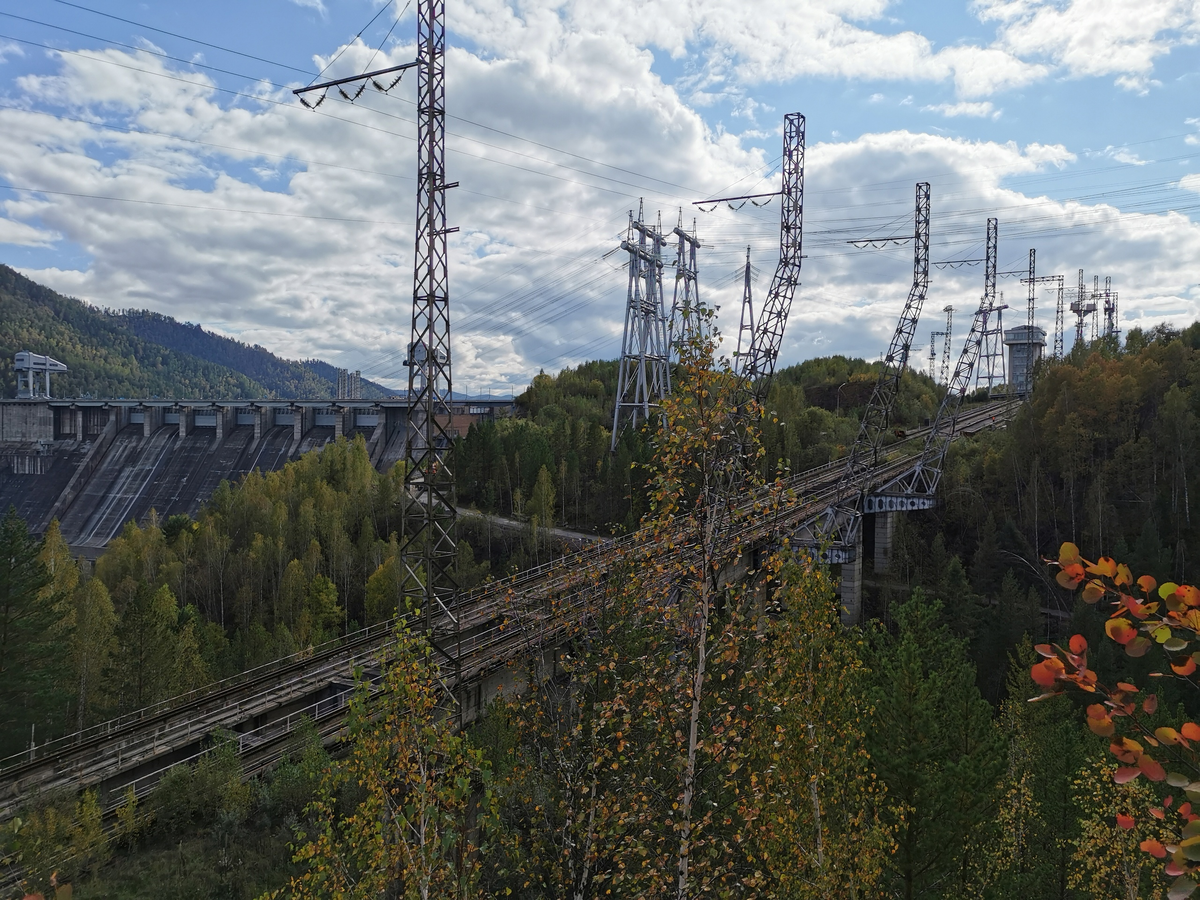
(281, 377)
(143, 354)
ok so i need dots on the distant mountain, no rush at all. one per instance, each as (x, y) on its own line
(137, 353)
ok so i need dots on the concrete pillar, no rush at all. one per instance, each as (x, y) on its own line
(222, 413)
(147, 420)
(184, 412)
(262, 413)
(297, 423)
(78, 423)
(339, 420)
(851, 589)
(885, 536)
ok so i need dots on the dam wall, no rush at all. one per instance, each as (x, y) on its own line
(95, 465)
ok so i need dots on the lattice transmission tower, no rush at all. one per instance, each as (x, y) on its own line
(644, 375)
(757, 365)
(429, 544)
(746, 328)
(933, 355)
(685, 306)
(991, 371)
(949, 311)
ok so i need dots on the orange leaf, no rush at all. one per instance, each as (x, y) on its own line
(1185, 668)
(1150, 704)
(1093, 591)
(1045, 650)
(1125, 774)
(1126, 686)
(1190, 730)
(1166, 589)
(1185, 810)
(1147, 584)
(1070, 577)
(1154, 848)
(1152, 769)
(1102, 727)
(1097, 711)
(1120, 630)
(1124, 821)
(1189, 595)
(1124, 576)
(1078, 644)
(1068, 553)
(1043, 674)
(1158, 813)
(1103, 566)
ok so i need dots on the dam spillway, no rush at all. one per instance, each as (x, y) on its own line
(96, 465)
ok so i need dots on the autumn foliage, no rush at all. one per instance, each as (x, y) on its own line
(1143, 615)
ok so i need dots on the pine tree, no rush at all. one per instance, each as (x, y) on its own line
(26, 623)
(1030, 857)
(934, 745)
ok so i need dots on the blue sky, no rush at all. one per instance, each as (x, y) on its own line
(163, 163)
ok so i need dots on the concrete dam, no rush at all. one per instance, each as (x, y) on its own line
(97, 464)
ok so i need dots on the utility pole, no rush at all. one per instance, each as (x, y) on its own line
(685, 320)
(644, 376)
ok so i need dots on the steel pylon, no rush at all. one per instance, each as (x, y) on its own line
(757, 366)
(644, 375)
(429, 544)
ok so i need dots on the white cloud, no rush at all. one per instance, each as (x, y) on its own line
(1124, 155)
(8, 49)
(1095, 37)
(314, 5)
(965, 108)
(1190, 183)
(23, 235)
(530, 286)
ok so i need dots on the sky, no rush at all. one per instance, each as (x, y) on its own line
(153, 156)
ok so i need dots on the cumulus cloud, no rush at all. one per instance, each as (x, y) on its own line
(1190, 183)
(1095, 37)
(23, 235)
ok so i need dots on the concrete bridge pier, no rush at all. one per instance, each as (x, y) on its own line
(885, 538)
(850, 590)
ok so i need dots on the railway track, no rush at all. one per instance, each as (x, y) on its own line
(262, 707)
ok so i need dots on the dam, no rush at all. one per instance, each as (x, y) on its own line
(97, 464)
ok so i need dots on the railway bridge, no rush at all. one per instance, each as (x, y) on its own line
(502, 628)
